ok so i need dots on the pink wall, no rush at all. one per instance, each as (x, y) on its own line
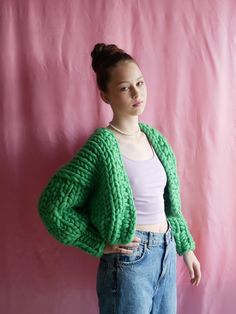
(50, 105)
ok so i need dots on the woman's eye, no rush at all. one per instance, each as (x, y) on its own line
(140, 83)
(124, 88)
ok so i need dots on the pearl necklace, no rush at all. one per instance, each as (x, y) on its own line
(128, 134)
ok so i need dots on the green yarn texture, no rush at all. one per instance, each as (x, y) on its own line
(88, 202)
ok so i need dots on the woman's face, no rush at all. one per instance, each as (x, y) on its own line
(126, 90)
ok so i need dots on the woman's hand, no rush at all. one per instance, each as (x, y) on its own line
(193, 266)
(122, 248)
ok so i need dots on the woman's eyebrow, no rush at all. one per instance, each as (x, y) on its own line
(128, 81)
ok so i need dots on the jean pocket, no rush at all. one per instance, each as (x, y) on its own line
(135, 257)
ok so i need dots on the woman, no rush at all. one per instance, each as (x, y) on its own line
(118, 199)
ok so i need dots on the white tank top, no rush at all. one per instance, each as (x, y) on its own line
(148, 180)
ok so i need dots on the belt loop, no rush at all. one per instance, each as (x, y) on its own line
(148, 240)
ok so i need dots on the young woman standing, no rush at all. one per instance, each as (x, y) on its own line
(119, 199)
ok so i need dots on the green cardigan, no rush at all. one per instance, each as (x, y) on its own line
(89, 200)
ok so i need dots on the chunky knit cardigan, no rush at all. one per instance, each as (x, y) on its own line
(88, 201)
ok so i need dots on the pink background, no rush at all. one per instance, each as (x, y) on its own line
(50, 105)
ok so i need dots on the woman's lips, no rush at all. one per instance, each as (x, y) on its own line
(137, 104)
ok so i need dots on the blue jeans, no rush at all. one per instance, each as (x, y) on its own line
(143, 282)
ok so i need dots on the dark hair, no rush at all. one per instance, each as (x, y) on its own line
(105, 57)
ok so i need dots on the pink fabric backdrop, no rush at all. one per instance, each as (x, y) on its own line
(50, 105)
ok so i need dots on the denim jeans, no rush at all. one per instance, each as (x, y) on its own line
(143, 282)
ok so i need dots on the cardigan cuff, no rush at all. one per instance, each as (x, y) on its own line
(96, 249)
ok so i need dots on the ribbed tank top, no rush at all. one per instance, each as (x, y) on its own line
(148, 180)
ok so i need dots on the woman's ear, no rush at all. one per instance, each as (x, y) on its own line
(104, 97)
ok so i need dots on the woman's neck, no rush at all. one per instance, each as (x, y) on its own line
(129, 126)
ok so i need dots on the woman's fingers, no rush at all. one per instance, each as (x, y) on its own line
(134, 243)
(127, 248)
(197, 272)
(136, 239)
(123, 248)
(197, 275)
(120, 249)
(131, 244)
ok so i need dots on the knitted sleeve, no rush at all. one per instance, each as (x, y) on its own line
(61, 203)
(183, 238)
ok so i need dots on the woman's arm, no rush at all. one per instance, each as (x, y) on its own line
(62, 204)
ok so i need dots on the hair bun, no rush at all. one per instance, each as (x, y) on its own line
(101, 52)
(104, 58)
(98, 48)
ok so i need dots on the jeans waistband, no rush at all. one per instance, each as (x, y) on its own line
(155, 238)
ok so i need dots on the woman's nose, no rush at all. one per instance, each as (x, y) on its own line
(135, 93)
